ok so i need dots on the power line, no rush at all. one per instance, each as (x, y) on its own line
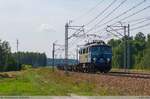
(101, 13)
(89, 11)
(140, 22)
(118, 15)
(135, 13)
(114, 34)
(112, 11)
(97, 16)
(140, 26)
(135, 20)
(137, 5)
(85, 36)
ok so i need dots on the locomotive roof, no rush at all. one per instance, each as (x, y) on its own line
(95, 43)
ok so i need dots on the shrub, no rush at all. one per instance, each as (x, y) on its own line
(9, 68)
(25, 66)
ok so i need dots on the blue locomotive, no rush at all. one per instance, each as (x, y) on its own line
(95, 56)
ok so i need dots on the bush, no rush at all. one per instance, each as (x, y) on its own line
(9, 68)
(25, 66)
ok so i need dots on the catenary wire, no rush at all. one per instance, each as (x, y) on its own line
(117, 16)
(89, 11)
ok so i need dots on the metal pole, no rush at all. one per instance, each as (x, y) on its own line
(17, 54)
(53, 53)
(77, 54)
(128, 48)
(125, 49)
(126, 53)
(66, 47)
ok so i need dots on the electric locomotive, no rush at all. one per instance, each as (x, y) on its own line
(95, 56)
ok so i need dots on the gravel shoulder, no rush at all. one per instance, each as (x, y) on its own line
(116, 84)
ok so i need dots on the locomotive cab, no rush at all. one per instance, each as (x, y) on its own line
(97, 54)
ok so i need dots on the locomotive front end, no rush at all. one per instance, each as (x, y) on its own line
(95, 56)
(101, 56)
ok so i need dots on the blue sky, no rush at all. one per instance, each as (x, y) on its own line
(38, 23)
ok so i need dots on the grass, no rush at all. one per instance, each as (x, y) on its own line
(45, 82)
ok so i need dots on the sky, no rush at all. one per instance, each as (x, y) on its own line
(39, 23)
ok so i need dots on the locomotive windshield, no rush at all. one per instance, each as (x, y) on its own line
(101, 49)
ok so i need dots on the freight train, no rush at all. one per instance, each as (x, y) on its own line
(93, 57)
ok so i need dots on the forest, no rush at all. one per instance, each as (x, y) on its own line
(13, 61)
(139, 51)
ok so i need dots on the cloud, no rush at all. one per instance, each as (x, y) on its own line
(46, 28)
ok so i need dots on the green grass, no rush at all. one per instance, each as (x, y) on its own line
(45, 82)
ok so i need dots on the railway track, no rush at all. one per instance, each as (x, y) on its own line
(123, 74)
(120, 74)
(129, 74)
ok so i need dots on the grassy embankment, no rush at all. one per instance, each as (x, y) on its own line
(45, 82)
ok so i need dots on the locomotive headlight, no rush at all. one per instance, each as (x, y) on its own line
(94, 59)
(108, 59)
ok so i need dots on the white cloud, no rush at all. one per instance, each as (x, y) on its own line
(46, 28)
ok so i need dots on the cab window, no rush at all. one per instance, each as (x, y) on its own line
(86, 50)
(80, 52)
(83, 51)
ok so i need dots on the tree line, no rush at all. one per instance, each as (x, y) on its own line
(139, 51)
(12, 61)
(31, 58)
(6, 58)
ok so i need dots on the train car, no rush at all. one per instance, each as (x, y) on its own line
(95, 56)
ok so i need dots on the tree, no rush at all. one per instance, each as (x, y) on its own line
(139, 45)
(117, 49)
(140, 37)
(6, 59)
(139, 51)
(31, 58)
